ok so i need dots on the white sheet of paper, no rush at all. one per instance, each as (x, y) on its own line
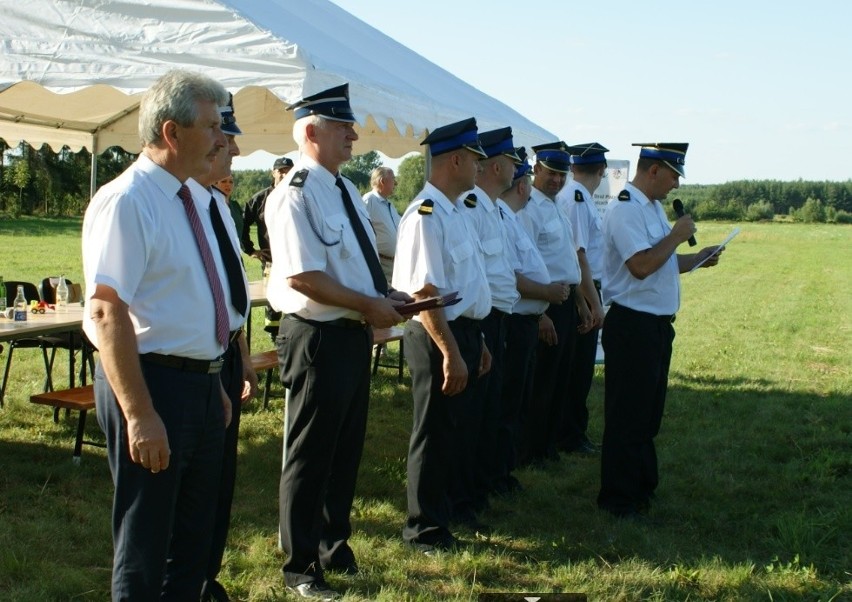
(733, 233)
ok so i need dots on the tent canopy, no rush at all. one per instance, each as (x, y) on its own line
(72, 71)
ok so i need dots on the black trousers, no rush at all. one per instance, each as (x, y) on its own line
(327, 370)
(576, 418)
(519, 370)
(638, 349)
(162, 523)
(544, 416)
(436, 435)
(232, 381)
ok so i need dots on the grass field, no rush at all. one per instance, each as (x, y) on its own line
(755, 499)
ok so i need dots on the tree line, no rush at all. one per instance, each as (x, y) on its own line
(46, 183)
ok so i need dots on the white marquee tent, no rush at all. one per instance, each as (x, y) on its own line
(72, 71)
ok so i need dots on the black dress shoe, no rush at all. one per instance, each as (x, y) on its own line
(214, 592)
(314, 590)
(449, 544)
(584, 448)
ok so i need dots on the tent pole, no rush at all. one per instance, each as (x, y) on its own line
(94, 170)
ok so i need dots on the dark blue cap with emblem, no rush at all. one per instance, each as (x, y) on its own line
(331, 104)
(499, 142)
(229, 119)
(524, 167)
(461, 134)
(553, 155)
(672, 154)
(586, 154)
(282, 163)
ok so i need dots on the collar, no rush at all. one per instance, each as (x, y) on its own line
(164, 180)
(636, 194)
(440, 199)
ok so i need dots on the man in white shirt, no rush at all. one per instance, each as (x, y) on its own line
(383, 216)
(159, 312)
(642, 282)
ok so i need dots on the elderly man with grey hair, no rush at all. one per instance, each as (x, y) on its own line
(383, 216)
(157, 310)
(327, 282)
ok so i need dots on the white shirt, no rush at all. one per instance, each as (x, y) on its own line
(385, 222)
(309, 230)
(201, 196)
(548, 227)
(630, 227)
(485, 219)
(527, 260)
(438, 248)
(137, 240)
(586, 223)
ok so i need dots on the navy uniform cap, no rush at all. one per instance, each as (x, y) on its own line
(282, 162)
(461, 134)
(553, 155)
(585, 154)
(499, 142)
(672, 154)
(331, 104)
(524, 167)
(229, 119)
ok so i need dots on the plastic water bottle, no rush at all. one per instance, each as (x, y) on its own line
(62, 295)
(2, 295)
(20, 305)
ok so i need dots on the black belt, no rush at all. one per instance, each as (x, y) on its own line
(339, 322)
(465, 322)
(597, 284)
(668, 318)
(184, 364)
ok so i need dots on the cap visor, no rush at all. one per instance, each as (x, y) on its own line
(475, 148)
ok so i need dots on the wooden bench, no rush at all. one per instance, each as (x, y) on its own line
(81, 399)
(383, 336)
(265, 361)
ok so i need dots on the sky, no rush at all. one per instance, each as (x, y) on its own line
(760, 90)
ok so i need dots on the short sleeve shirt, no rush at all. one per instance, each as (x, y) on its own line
(629, 227)
(548, 227)
(487, 221)
(385, 222)
(437, 247)
(586, 223)
(528, 260)
(137, 240)
(309, 230)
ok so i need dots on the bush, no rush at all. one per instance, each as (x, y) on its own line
(843, 217)
(811, 212)
(760, 211)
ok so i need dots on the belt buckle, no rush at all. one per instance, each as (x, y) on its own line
(215, 367)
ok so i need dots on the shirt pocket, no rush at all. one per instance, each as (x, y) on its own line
(492, 246)
(656, 232)
(460, 258)
(551, 233)
(336, 229)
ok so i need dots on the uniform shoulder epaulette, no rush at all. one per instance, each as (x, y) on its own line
(470, 200)
(624, 195)
(578, 196)
(426, 207)
(299, 178)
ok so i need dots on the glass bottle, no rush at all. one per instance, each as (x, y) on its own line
(62, 295)
(20, 305)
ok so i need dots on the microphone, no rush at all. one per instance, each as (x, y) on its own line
(677, 205)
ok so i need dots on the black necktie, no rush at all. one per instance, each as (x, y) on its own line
(379, 280)
(230, 259)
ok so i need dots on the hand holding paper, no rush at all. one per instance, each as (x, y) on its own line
(719, 248)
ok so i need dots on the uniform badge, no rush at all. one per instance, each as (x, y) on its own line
(470, 200)
(426, 207)
(578, 196)
(624, 195)
(299, 178)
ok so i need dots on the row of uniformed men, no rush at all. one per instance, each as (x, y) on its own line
(521, 284)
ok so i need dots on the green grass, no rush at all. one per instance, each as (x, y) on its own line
(755, 456)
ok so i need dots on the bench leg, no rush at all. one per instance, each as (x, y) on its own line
(266, 388)
(400, 366)
(378, 349)
(78, 443)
